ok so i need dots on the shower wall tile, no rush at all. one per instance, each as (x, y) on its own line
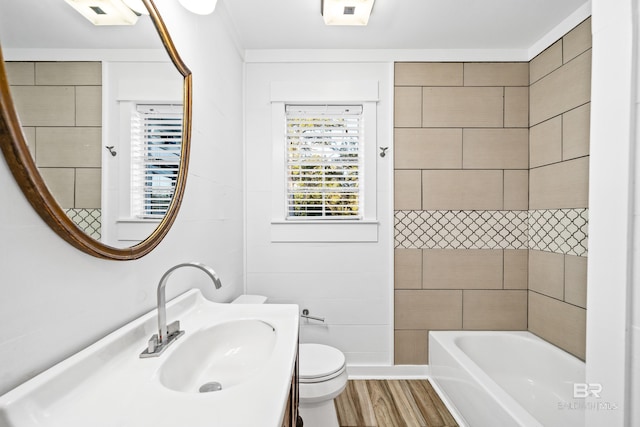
(516, 190)
(562, 90)
(89, 106)
(88, 220)
(60, 182)
(411, 347)
(428, 309)
(45, 105)
(546, 273)
(495, 148)
(494, 310)
(545, 142)
(575, 280)
(462, 269)
(462, 106)
(496, 74)
(576, 132)
(560, 323)
(516, 269)
(407, 107)
(71, 147)
(427, 148)
(576, 41)
(30, 135)
(521, 202)
(69, 73)
(408, 268)
(21, 73)
(470, 146)
(560, 185)
(469, 229)
(516, 107)
(88, 188)
(408, 189)
(547, 61)
(462, 189)
(60, 108)
(428, 74)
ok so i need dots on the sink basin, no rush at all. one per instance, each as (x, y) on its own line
(224, 355)
(249, 349)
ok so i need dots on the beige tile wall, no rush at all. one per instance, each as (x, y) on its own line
(461, 143)
(495, 136)
(60, 107)
(559, 178)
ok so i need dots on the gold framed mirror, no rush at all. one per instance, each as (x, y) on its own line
(14, 145)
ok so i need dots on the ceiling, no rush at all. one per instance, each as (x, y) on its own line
(48, 24)
(298, 24)
(401, 24)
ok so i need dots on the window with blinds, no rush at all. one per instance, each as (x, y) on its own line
(324, 161)
(156, 143)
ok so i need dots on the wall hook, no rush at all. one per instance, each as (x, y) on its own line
(383, 151)
(111, 150)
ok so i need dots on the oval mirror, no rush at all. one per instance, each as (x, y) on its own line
(95, 122)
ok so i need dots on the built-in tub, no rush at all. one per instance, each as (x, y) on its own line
(501, 379)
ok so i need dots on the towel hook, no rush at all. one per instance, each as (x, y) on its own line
(111, 149)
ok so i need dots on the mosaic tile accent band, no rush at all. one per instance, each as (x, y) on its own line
(556, 230)
(89, 220)
(563, 231)
(461, 229)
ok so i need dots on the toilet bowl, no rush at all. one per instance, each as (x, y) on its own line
(322, 377)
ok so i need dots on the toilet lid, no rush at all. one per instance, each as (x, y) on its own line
(318, 361)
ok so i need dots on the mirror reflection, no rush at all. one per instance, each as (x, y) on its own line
(101, 109)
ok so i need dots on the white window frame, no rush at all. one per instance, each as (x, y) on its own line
(319, 142)
(363, 229)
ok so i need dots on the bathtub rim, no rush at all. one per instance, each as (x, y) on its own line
(511, 406)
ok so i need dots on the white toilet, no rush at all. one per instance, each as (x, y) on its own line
(322, 377)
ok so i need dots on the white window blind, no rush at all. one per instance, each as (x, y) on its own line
(156, 142)
(324, 161)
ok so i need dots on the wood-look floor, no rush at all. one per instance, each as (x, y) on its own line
(391, 403)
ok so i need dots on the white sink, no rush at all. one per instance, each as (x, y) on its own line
(226, 354)
(249, 349)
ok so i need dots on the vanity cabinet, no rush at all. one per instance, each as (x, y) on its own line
(291, 418)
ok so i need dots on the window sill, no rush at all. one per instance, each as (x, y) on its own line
(135, 229)
(324, 231)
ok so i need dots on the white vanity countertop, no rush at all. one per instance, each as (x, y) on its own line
(109, 385)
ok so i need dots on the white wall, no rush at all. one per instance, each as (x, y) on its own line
(55, 300)
(612, 260)
(349, 284)
(635, 284)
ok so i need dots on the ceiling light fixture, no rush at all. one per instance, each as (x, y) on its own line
(105, 12)
(346, 12)
(200, 7)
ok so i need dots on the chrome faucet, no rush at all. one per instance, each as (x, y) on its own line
(167, 334)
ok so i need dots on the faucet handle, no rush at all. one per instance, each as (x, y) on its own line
(173, 327)
(152, 344)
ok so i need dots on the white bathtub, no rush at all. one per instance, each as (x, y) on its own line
(501, 379)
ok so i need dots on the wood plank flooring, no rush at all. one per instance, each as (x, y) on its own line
(391, 403)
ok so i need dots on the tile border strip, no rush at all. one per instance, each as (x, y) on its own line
(562, 231)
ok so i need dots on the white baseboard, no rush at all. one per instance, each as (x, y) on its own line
(362, 372)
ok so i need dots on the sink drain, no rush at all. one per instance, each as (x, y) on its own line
(211, 386)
